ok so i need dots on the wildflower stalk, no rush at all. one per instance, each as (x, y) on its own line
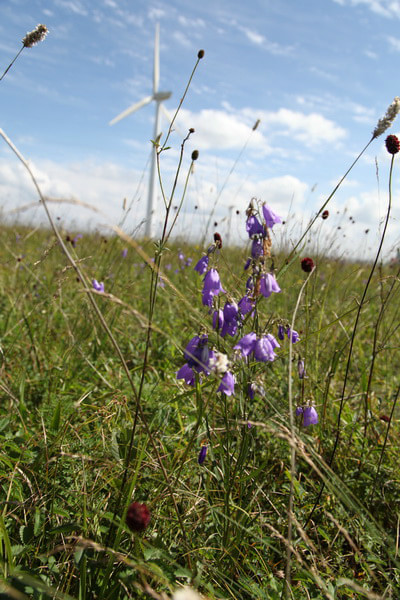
(292, 449)
(31, 39)
(353, 335)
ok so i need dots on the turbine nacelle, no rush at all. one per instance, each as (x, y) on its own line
(161, 96)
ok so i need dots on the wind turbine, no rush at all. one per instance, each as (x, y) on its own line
(159, 98)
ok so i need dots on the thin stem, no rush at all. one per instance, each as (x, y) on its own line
(292, 450)
(11, 63)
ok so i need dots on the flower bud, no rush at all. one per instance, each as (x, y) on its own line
(392, 144)
(137, 517)
(307, 264)
(195, 154)
(200, 54)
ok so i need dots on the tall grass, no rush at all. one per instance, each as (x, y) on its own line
(246, 499)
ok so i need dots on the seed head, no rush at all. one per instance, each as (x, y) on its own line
(392, 144)
(218, 240)
(325, 214)
(195, 154)
(307, 264)
(137, 517)
(200, 54)
(35, 36)
(386, 121)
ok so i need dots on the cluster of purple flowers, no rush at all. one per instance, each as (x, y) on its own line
(228, 320)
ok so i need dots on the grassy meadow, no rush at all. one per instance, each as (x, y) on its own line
(83, 434)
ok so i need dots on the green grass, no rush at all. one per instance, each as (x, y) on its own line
(70, 466)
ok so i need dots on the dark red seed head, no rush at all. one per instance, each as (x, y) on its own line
(392, 144)
(218, 240)
(137, 517)
(307, 264)
(325, 214)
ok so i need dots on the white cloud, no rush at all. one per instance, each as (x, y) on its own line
(385, 8)
(394, 43)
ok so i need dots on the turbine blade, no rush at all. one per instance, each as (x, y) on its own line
(131, 109)
(156, 69)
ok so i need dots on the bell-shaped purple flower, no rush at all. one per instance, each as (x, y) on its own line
(299, 411)
(231, 312)
(99, 287)
(202, 455)
(197, 353)
(246, 344)
(292, 335)
(187, 374)
(227, 385)
(245, 305)
(268, 284)
(212, 282)
(281, 332)
(270, 217)
(310, 416)
(202, 265)
(263, 350)
(253, 226)
(272, 341)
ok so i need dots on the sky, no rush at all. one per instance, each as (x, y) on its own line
(317, 74)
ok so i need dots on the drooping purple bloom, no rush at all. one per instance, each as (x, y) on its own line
(124, 252)
(301, 369)
(202, 265)
(281, 332)
(227, 385)
(292, 335)
(245, 305)
(202, 455)
(197, 353)
(207, 298)
(268, 284)
(253, 226)
(310, 416)
(231, 312)
(99, 287)
(246, 344)
(247, 264)
(187, 374)
(299, 411)
(263, 350)
(270, 217)
(212, 282)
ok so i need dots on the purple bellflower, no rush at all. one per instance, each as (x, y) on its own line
(218, 319)
(301, 369)
(99, 287)
(227, 385)
(270, 217)
(257, 248)
(281, 332)
(202, 266)
(245, 305)
(263, 350)
(292, 335)
(246, 344)
(231, 312)
(310, 416)
(202, 455)
(268, 284)
(211, 287)
(254, 227)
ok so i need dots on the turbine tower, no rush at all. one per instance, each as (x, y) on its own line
(159, 98)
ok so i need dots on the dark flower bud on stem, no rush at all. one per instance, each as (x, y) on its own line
(200, 54)
(137, 517)
(307, 264)
(392, 144)
(195, 154)
(325, 214)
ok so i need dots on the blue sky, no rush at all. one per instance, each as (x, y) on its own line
(317, 73)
